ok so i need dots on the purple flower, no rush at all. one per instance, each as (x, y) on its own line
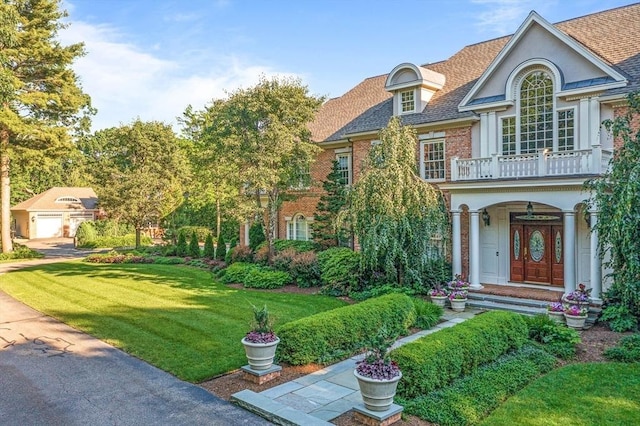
(258, 337)
(555, 307)
(458, 295)
(378, 369)
(575, 310)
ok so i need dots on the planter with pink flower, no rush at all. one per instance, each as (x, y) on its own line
(458, 283)
(438, 295)
(580, 297)
(555, 311)
(458, 300)
(261, 342)
(575, 316)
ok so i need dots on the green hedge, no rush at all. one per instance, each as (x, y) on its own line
(109, 242)
(201, 232)
(468, 400)
(236, 272)
(339, 270)
(334, 335)
(435, 360)
(266, 278)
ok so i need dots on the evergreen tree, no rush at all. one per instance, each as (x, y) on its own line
(182, 248)
(194, 247)
(209, 250)
(327, 231)
(256, 235)
(41, 101)
(221, 250)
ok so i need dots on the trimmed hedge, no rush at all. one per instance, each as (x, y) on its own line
(336, 334)
(236, 272)
(435, 360)
(473, 397)
(266, 278)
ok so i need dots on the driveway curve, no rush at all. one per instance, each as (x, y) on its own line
(53, 374)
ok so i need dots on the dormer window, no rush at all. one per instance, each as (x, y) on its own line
(67, 199)
(407, 101)
(412, 87)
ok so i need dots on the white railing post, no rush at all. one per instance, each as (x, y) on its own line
(495, 167)
(454, 168)
(596, 159)
(542, 169)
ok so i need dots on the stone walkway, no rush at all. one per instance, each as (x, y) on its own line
(319, 397)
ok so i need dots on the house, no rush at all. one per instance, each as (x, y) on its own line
(56, 212)
(509, 129)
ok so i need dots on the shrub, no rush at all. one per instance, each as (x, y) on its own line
(21, 252)
(619, 317)
(627, 350)
(161, 260)
(557, 339)
(221, 248)
(112, 242)
(200, 231)
(194, 247)
(339, 270)
(256, 235)
(336, 334)
(380, 290)
(282, 260)
(181, 248)
(261, 255)
(117, 257)
(86, 233)
(433, 361)
(209, 250)
(427, 314)
(304, 269)
(236, 272)
(266, 278)
(297, 245)
(112, 228)
(473, 397)
(239, 254)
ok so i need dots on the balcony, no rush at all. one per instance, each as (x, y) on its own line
(545, 163)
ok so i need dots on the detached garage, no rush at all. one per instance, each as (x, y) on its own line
(56, 212)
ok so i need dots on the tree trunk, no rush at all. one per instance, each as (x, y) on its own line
(218, 218)
(5, 193)
(138, 237)
(272, 218)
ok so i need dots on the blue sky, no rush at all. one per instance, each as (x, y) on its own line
(152, 58)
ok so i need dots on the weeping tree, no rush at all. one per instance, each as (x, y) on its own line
(616, 196)
(400, 220)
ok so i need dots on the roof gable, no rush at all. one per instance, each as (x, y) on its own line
(537, 41)
(61, 198)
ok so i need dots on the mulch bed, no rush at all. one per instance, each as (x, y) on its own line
(594, 341)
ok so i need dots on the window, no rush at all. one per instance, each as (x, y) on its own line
(536, 112)
(298, 228)
(68, 199)
(566, 127)
(407, 101)
(432, 159)
(508, 136)
(344, 167)
(303, 179)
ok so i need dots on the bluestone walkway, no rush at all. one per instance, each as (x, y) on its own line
(319, 397)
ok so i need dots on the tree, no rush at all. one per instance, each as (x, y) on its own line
(399, 219)
(140, 171)
(194, 247)
(264, 130)
(182, 248)
(209, 250)
(256, 235)
(616, 197)
(40, 98)
(221, 249)
(328, 231)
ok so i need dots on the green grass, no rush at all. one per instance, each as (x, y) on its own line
(597, 394)
(174, 317)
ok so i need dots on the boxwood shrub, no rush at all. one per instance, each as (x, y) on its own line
(336, 334)
(266, 278)
(236, 272)
(471, 398)
(435, 360)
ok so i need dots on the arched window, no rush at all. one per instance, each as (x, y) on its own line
(298, 228)
(536, 112)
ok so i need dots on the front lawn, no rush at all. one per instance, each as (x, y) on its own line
(174, 317)
(596, 394)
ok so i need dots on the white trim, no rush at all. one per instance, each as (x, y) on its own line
(522, 71)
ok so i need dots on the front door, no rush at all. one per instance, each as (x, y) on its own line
(536, 254)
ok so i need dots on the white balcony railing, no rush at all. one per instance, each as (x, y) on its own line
(542, 164)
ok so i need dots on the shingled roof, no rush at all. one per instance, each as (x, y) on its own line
(46, 201)
(612, 35)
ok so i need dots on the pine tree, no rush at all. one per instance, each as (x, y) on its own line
(209, 250)
(327, 231)
(194, 247)
(182, 248)
(256, 235)
(221, 250)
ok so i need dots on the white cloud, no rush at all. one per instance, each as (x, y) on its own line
(504, 16)
(125, 82)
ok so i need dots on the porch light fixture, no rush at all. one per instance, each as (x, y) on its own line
(486, 218)
(33, 219)
(529, 209)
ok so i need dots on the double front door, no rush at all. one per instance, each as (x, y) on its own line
(537, 254)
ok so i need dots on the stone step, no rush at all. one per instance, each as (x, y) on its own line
(507, 300)
(274, 411)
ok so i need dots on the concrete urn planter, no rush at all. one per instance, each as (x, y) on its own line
(575, 321)
(556, 316)
(439, 300)
(377, 395)
(458, 305)
(260, 355)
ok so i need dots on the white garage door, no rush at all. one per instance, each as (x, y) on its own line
(48, 225)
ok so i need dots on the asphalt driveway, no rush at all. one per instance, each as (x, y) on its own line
(52, 374)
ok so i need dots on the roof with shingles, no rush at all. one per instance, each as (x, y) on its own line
(46, 201)
(368, 106)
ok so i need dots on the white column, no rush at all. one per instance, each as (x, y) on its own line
(484, 135)
(474, 250)
(493, 131)
(594, 120)
(456, 243)
(584, 128)
(569, 251)
(596, 262)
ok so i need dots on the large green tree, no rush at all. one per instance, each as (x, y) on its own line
(139, 172)
(616, 197)
(41, 100)
(328, 230)
(264, 131)
(399, 219)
